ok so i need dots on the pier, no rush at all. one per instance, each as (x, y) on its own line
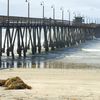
(27, 33)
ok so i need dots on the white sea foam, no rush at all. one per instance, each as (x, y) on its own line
(91, 50)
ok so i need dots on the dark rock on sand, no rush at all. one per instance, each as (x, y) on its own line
(14, 83)
(2, 82)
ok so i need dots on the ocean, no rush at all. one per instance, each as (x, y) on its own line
(88, 52)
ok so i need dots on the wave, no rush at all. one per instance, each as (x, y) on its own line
(91, 50)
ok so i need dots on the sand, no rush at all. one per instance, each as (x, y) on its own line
(54, 84)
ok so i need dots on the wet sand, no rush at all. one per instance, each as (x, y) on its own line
(54, 84)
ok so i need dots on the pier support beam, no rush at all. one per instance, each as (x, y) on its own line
(39, 39)
(46, 41)
(18, 43)
(8, 40)
(0, 44)
(34, 48)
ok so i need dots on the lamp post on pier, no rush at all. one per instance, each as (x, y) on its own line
(62, 13)
(28, 1)
(74, 14)
(42, 4)
(89, 20)
(8, 8)
(69, 15)
(53, 7)
(86, 19)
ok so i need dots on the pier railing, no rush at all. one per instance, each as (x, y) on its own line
(24, 20)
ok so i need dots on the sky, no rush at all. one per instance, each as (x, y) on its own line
(90, 9)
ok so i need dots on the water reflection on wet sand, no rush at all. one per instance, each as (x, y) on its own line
(56, 64)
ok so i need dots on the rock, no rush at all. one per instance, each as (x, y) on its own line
(14, 83)
(18, 86)
(2, 82)
(13, 80)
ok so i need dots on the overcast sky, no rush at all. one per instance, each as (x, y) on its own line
(89, 8)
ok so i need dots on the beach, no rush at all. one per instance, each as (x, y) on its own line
(54, 84)
(65, 74)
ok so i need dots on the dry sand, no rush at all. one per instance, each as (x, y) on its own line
(54, 84)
